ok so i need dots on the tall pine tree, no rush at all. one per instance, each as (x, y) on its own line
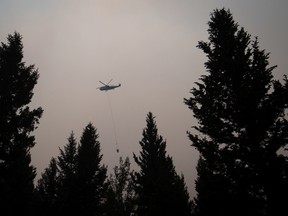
(159, 190)
(91, 173)
(242, 127)
(17, 122)
(67, 198)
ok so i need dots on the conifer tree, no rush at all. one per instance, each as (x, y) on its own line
(67, 168)
(91, 173)
(78, 175)
(242, 126)
(159, 190)
(48, 188)
(17, 122)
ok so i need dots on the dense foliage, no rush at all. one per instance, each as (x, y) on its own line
(242, 127)
(120, 194)
(17, 122)
(160, 190)
(74, 184)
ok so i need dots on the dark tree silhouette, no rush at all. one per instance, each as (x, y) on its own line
(91, 174)
(159, 190)
(17, 122)
(75, 183)
(67, 167)
(48, 189)
(242, 128)
(120, 195)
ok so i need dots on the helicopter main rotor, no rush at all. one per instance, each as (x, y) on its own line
(107, 83)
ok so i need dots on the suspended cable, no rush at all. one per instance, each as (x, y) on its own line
(113, 122)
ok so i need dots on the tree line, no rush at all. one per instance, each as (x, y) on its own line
(241, 137)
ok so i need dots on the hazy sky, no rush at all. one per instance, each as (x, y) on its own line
(149, 46)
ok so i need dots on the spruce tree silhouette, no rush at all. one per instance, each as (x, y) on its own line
(67, 198)
(17, 122)
(91, 174)
(242, 126)
(74, 184)
(159, 190)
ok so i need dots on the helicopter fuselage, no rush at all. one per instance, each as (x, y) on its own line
(109, 87)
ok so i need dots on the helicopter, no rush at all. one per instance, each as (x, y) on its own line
(107, 87)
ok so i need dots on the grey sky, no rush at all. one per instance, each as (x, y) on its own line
(149, 46)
